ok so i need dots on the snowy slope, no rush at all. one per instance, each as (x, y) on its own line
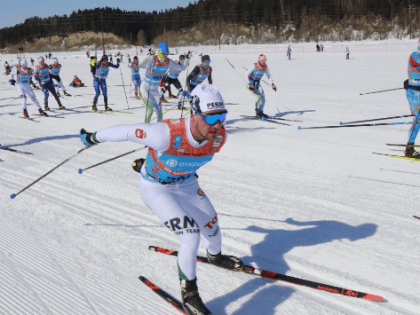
(314, 204)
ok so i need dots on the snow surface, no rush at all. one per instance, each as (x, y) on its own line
(313, 204)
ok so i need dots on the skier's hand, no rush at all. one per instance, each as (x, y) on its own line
(12, 82)
(274, 87)
(251, 87)
(88, 138)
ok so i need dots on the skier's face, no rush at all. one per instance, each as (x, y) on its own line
(207, 126)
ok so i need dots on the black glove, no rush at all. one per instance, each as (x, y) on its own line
(251, 87)
(188, 56)
(274, 87)
(137, 164)
(12, 82)
(88, 138)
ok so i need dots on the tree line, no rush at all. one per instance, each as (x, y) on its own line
(204, 21)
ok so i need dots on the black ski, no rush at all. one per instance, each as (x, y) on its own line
(109, 111)
(281, 277)
(29, 118)
(401, 145)
(164, 295)
(266, 119)
(52, 116)
(14, 150)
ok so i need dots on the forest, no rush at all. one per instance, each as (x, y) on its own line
(209, 22)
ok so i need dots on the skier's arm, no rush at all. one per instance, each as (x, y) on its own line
(146, 62)
(248, 74)
(209, 77)
(154, 135)
(267, 73)
(110, 64)
(13, 74)
(193, 73)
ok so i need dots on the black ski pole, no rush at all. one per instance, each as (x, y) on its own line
(359, 121)
(382, 91)
(362, 125)
(186, 72)
(235, 69)
(128, 107)
(13, 196)
(80, 171)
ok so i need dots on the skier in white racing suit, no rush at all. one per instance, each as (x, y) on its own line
(169, 185)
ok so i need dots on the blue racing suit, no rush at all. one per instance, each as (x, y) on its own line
(99, 80)
(413, 92)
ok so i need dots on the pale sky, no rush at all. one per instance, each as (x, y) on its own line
(15, 12)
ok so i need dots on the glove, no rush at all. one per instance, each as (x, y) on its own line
(188, 56)
(274, 87)
(12, 82)
(88, 138)
(251, 87)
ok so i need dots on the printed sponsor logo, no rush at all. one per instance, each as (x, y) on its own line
(193, 164)
(200, 192)
(320, 287)
(177, 142)
(172, 163)
(140, 133)
(214, 105)
(212, 222)
(186, 224)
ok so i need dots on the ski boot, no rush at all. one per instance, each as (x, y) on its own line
(60, 106)
(46, 106)
(162, 99)
(191, 300)
(180, 106)
(108, 109)
(66, 94)
(172, 96)
(58, 94)
(25, 113)
(410, 152)
(226, 262)
(261, 115)
(94, 107)
(41, 112)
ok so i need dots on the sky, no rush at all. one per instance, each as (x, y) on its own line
(15, 12)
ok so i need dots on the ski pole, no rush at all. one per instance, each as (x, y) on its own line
(80, 171)
(382, 91)
(416, 217)
(261, 79)
(13, 196)
(235, 69)
(183, 96)
(359, 121)
(128, 107)
(362, 125)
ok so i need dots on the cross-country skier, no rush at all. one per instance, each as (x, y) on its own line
(55, 69)
(289, 52)
(347, 53)
(412, 85)
(253, 78)
(171, 77)
(22, 74)
(99, 81)
(77, 82)
(42, 74)
(7, 68)
(169, 185)
(196, 77)
(156, 67)
(32, 61)
(135, 75)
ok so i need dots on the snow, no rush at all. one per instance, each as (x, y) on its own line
(312, 204)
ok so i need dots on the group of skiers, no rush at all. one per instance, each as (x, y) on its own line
(21, 76)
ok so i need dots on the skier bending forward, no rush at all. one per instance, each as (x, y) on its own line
(169, 186)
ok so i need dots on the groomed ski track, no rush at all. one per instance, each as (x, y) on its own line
(315, 204)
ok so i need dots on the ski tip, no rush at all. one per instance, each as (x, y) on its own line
(12, 196)
(80, 171)
(372, 297)
(299, 128)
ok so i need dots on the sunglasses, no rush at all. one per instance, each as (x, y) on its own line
(212, 119)
(207, 62)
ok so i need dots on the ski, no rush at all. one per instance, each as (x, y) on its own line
(416, 217)
(52, 116)
(267, 120)
(29, 118)
(13, 150)
(401, 145)
(108, 111)
(166, 296)
(281, 277)
(397, 156)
